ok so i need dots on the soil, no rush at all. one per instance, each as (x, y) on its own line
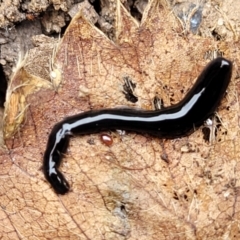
(21, 21)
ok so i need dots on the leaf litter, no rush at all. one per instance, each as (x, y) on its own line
(122, 191)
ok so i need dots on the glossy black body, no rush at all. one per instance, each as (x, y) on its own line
(174, 121)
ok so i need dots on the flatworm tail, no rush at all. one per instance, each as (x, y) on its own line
(174, 121)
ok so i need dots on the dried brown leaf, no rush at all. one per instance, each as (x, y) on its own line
(126, 190)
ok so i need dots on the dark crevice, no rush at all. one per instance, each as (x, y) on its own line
(3, 86)
(97, 5)
(216, 35)
(206, 133)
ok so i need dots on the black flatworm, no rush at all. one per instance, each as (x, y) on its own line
(175, 121)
